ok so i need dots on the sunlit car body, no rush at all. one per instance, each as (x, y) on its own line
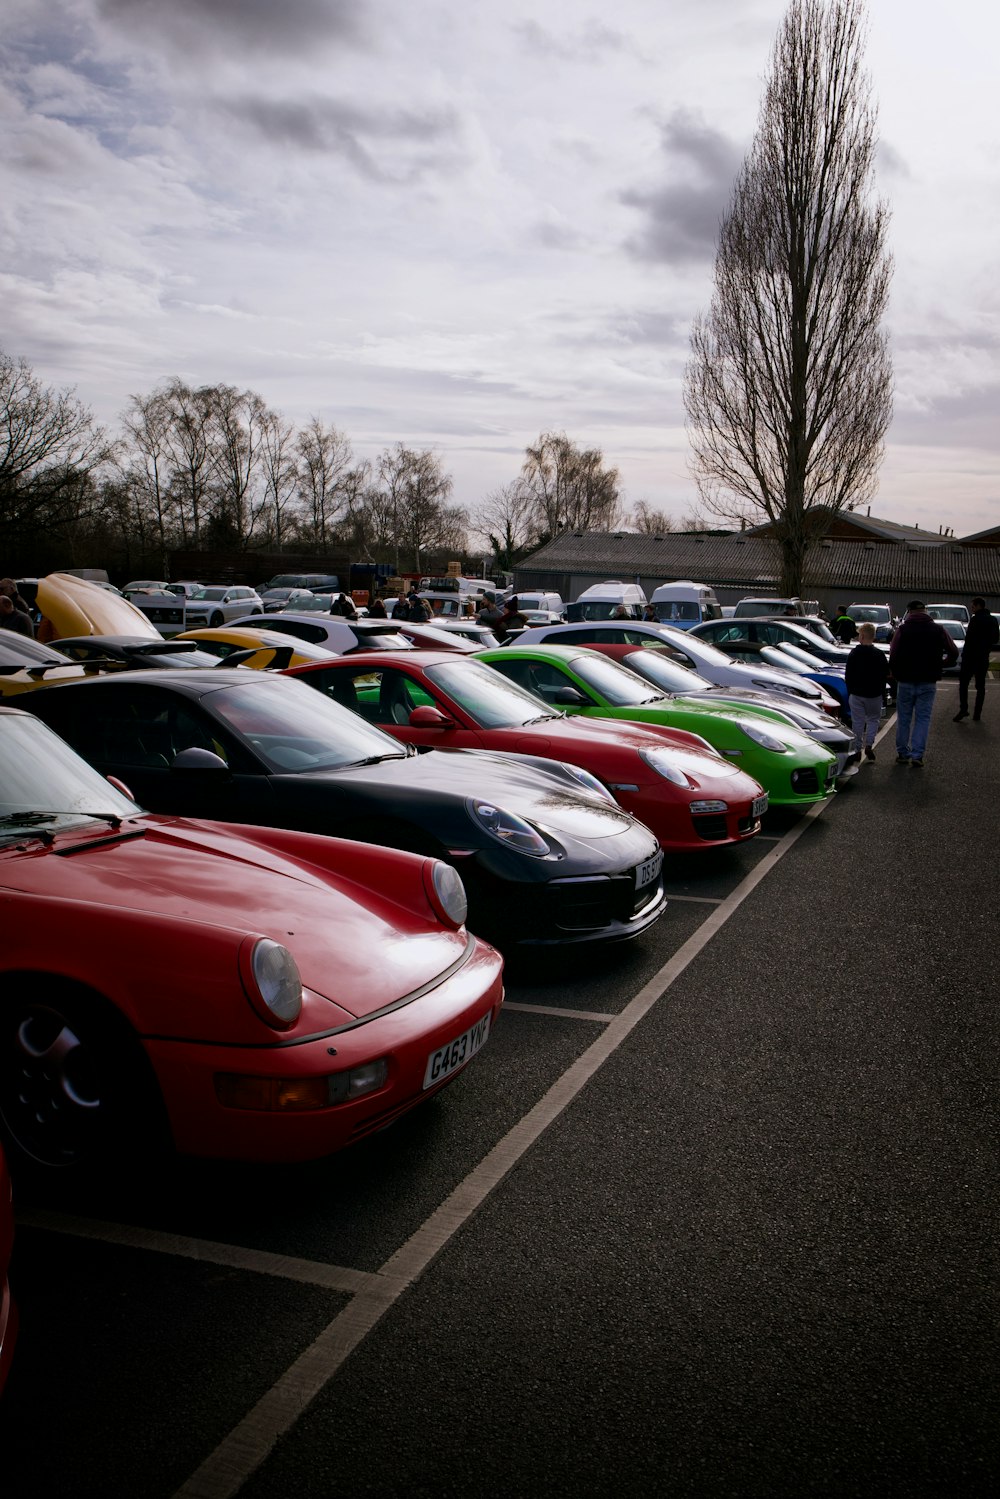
(276, 599)
(823, 673)
(28, 664)
(792, 768)
(941, 612)
(545, 854)
(668, 676)
(75, 606)
(956, 630)
(217, 605)
(269, 646)
(8, 1307)
(335, 633)
(669, 779)
(439, 634)
(262, 995)
(702, 657)
(743, 638)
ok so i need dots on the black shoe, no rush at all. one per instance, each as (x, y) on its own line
(869, 753)
(854, 759)
(902, 759)
(917, 764)
(977, 717)
(962, 713)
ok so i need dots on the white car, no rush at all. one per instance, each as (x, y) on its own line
(217, 604)
(334, 633)
(714, 665)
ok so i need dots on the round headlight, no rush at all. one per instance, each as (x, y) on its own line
(508, 828)
(446, 893)
(276, 990)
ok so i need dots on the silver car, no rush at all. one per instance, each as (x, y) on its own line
(217, 604)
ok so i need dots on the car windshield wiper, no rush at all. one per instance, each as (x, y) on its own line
(542, 718)
(376, 759)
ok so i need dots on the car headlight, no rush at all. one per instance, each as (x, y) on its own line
(446, 893)
(762, 737)
(508, 828)
(660, 760)
(590, 782)
(272, 981)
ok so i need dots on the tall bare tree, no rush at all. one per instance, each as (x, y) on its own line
(506, 518)
(325, 463)
(570, 486)
(789, 385)
(650, 522)
(280, 475)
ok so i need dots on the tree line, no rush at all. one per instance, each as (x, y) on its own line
(213, 467)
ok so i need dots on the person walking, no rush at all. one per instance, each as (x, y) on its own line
(919, 651)
(843, 625)
(982, 636)
(866, 672)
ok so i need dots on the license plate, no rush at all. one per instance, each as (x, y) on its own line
(448, 1059)
(758, 806)
(649, 870)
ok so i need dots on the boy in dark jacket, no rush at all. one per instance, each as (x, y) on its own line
(865, 676)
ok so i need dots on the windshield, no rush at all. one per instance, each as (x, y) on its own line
(17, 651)
(486, 696)
(209, 593)
(676, 609)
(812, 662)
(45, 784)
(291, 727)
(668, 675)
(876, 614)
(616, 684)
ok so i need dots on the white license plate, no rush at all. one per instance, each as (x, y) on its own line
(649, 870)
(759, 806)
(448, 1059)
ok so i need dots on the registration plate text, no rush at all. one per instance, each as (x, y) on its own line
(649, 870)
(759, 806)
(448, 1059)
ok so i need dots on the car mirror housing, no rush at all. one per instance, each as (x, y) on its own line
(430, 718)
(195, 759)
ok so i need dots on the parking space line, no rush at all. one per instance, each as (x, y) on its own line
(701, 900)
(248, 1445)
(259, 1261)
(557, 1011)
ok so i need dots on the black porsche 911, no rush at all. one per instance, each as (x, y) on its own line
(546, 856)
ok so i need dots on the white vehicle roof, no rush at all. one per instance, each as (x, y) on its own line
(625, 593)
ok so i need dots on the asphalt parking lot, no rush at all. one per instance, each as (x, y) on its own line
(713, 1214)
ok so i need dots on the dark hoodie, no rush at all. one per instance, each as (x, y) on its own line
(920, 648)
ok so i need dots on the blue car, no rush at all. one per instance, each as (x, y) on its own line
(829, 676)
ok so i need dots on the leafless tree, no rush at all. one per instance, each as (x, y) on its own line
(190, 442)
(506, 518)
(280, 475)
(146, 466)
(789, 385)
(570, 487)
(48, 445)
(417, 489)
(649, 522)
(325, 461)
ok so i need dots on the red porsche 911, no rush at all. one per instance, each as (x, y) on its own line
(671, 780)
(166, 979)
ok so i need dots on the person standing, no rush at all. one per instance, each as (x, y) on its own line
(511, 621)
(343, 605)
(14, 619)
(918, 653)
(843, 625)
(865, 675)
(981, 637)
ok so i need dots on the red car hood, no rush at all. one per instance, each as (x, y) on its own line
(568, 730)
(209, 877)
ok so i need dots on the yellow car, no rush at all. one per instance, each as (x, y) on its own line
(72, 606)
(224, 641)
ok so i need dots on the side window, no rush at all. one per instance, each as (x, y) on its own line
(579, 637)
(769, 634)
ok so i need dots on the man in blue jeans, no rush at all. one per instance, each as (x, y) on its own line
(919, 652)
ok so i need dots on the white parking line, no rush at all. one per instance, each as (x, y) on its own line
(309, 1272)
(557, 1011)
(700, 900)
(225, 1470)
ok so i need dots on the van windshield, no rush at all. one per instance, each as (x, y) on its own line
(678, 609)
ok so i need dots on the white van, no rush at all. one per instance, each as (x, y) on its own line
(610, 600)
(532, 600)
(685, 604)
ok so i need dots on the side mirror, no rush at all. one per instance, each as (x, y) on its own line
(430, 718)
(121, 786)
(203, 760)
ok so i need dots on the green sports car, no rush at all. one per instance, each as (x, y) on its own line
(793, 768)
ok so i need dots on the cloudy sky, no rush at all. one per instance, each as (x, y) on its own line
(458, 223)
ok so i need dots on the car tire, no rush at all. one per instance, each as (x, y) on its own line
(77, 1092)
(217, 620)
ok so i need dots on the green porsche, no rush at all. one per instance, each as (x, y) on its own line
(793, 768)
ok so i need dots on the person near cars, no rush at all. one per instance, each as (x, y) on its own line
(918, 653)
(490, 615)
(12, 618)
(415, 609)
(650, 615)
(981, 637)
(866, 672)
(511, 620)
(376, 609)
(343, 604)
(843, 625)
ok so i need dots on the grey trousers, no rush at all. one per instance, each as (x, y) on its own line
(866, 714)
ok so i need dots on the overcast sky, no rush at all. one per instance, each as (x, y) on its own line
(459, 223)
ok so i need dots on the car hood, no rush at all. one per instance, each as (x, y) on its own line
(543, 797)
(798, 710)
(75, 606)
(211, 877)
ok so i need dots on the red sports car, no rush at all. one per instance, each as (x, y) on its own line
(672, 781)
(254, 994)
(8, 1310)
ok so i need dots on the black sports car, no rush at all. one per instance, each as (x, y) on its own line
(545, 854)
(134, 650)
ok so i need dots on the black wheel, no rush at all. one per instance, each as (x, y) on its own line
(217, 620)
(76, 1089)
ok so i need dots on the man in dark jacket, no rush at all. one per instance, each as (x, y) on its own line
(843, 626)
(981, 637)
(918, 653)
